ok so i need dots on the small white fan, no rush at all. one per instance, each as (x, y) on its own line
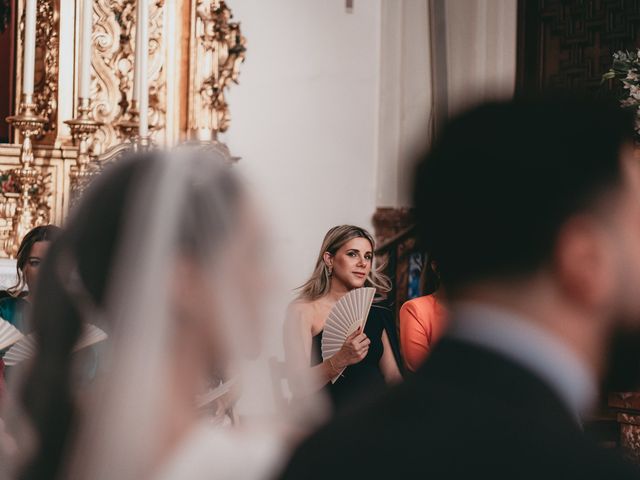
(214, 393)
(349, 313)
(8, 334)
(26, 347)
(90, 336)
(22, 350)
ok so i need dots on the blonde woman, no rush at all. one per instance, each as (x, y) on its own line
(345, 262)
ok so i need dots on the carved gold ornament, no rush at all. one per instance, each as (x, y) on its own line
(28, 194)
(113, 62)
(217, 54)
(61, 141)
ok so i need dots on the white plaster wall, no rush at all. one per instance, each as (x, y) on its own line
(305, 119)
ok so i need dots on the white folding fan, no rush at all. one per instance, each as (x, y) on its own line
(214, 393)
(349, 313)
(25, 348)
(8, 334)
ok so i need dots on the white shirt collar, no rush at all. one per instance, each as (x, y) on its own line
(529, 345)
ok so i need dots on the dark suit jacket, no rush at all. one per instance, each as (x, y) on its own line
(467, 414)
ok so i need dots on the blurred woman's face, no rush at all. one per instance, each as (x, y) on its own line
(223, 297)
(31, 268)
(351, 264)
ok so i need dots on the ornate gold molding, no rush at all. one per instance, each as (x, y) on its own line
(83, 127)
(217, 50)
(188, 76)
(54, 165)
(157, 73)
(47, 66)
(26, 187)
(32, 190)
(113, 62)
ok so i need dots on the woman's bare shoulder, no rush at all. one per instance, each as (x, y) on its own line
(301, 309)
(301, 316)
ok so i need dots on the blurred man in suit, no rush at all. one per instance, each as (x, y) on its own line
(531, 208)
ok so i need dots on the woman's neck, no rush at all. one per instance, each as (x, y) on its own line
(185, 374)
(337, 290)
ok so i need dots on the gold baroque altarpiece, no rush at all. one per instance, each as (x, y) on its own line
(195, 50)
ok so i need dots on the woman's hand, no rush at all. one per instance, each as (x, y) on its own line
(355, 348)
(225, 403)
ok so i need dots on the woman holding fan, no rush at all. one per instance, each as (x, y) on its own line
(366, 360)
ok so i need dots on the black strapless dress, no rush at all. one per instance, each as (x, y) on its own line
(363, 378)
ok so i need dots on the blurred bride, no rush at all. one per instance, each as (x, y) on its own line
(166, 255)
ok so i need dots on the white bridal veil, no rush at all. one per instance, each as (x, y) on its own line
(187, 304)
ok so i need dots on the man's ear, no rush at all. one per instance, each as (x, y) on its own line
(584, 264)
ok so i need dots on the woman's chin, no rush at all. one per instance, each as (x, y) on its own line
(358, 283)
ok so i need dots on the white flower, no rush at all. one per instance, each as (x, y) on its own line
(634, 91)
(627, 102)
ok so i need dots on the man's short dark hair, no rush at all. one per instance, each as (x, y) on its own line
(501, 180)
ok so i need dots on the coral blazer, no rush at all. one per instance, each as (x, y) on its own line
(422, 323)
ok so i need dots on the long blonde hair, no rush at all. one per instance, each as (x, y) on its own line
(320, 281)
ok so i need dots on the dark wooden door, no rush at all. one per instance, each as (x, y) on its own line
(568, 44)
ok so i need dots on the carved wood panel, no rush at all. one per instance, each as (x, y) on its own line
(568, 43)
(396, 243)
(627, 407)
